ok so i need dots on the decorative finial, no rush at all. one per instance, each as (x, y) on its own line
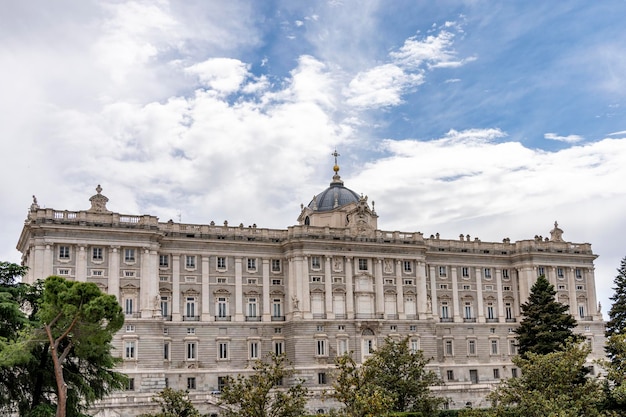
(336, 167)
(98, 189)
(99, 202)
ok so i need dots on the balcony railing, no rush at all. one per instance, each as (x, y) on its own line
(135, 315)
(369, 316)
(222, 318)
(278, 318)
(319, 315)
(167, 318)
(511, 320)
(341, 316)
(586, 318)
(191, 318)
(469, 319)
(253, 318)
(446, 319)
(492, 320)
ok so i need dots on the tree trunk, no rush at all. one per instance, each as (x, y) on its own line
(58, 374)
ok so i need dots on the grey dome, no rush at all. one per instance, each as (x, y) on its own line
(333, 197)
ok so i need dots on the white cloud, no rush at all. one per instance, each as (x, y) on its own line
(224, 75)
(566, 139)
(381, 86)
(435, 51)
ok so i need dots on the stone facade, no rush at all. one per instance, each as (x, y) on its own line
(204, 301)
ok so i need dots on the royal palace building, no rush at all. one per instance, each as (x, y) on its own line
(203, 301)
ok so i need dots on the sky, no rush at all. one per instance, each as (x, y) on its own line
(493, 119)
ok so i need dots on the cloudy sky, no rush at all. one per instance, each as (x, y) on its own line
(492, 119)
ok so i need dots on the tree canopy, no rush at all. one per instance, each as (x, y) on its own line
(549, 386)
(173, 403)
(617, 312)
(402, 372)
(72, 321)
(546, 324)
(260, 394)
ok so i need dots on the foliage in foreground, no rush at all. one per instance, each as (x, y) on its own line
(260, 394)
(546, 324)
(173, 403)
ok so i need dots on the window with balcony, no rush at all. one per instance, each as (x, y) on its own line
(129, 255)
(362, 264)
(276, 265)
(251, 264)
(221, 262)
(64, 252)
(97, 254)
(407, 266)
(316, 262)
(164, 261)
(190, 262)
(222, 349)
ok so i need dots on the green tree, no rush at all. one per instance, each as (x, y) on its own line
(173, 403)
(260, 394)
(359, 397)
(79, 322)
(401, 372)
(546, 324)
(549, 386)
(615, 346)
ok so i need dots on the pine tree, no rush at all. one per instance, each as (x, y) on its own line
(617, 313)
(546, 325)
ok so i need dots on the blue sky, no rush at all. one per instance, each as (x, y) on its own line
(492, 119)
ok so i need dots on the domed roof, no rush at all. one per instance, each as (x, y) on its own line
(334, 196)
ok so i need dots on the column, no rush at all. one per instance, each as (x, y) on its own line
(47, 267)
(114, 272)
(206, 294)
(349, 289)
(149, 282)
(422, 299)
(305, 298)
(238, 290)
(592, 301)
(267, 312)
(328, 289)
(571, 290)
(176, 316)
(433, 292)
(400, 291)
(479, 296)
(501, 315)
(81, 264)
(525, 281)
(380, 290)
(455, 297)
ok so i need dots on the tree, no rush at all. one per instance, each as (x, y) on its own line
(549, 386)
(615, 346)
(401, 372)
(173, 403)
(546, 324)
(617, 313)
(359, 397)
(260, 394)
(79, 322)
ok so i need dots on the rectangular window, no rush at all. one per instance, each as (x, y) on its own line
(513, 372)
(408, 282)
(471, 347)
(190, 307)
(321, 378)
(316, 279)
(581, 311)
(222, 307)
(465, 272)
(338, 280)
(580, 288)
(413, 328)
(541, 271)
(130, 328)
(191, 330)
(512, 348)
(191, 383)
(316, 262)
(415, 345)
(445, 311)
(129, 352)
(561, 287)
(129, 255)
(277, 309)
(578, 273)
(342, 346)
(494, 347)
(506, 288)
(222, 350)
(407, 266)
(166, 351)
(190, 262)
(221, 382)
(467, 287)
(559, 272)
(129, 274)
(251, 264)
(474, 376)
(390, 281)
(221, 262)
(443, 286)
(490, 312)
(277, 281)
(496, 373)
(508, 311)
(321, 348)
(275, 265)
(505, 273)
(128, 306)
(130, 386)
(96, 254)
(251, 281)
(252, 307)
(165, 306)
(97, 272)
(64, 271)
(278, 330)
(222, 280)
(191, 351)
(468, 311)
(254, 350)
(164, 261)
(448, 348)
(362, 264)
(442, 271)
(487, 273)
(279, 348)
(450, 375)
(64, 252)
